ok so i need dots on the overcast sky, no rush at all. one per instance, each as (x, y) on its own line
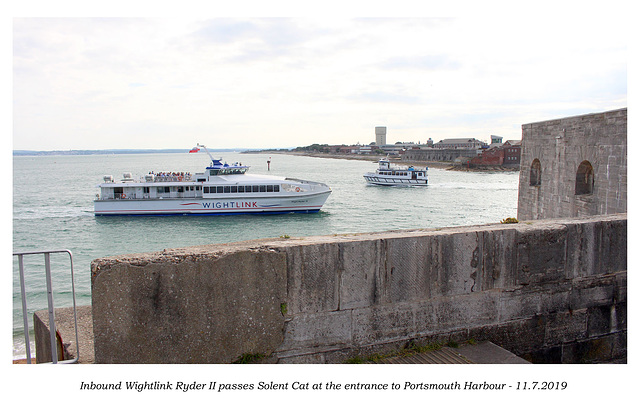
(94, 83)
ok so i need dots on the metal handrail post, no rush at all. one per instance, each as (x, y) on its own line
(52, 327)
(52, 320)
(25, 319)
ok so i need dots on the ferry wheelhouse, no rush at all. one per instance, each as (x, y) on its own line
(222, 189)
(394, 175)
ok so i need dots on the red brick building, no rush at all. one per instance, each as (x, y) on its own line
(506, 154)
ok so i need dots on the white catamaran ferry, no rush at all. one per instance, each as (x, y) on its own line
(221, 189)
(393, 175)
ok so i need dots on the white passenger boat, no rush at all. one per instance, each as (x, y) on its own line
(221, 189)
(394, 175)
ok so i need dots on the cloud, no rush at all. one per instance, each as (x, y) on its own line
(271, 82)
(423, 63)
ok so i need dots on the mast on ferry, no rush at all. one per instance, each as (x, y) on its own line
(208, 153)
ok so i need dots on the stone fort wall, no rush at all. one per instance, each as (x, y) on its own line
(574, 166)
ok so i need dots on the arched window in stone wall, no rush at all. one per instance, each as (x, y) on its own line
(535, 175)
(584, 179)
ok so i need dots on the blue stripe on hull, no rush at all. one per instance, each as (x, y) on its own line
(262, 213)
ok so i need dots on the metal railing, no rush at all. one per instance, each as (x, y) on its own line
(50, 306)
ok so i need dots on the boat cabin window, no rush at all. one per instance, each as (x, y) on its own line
(240, 189)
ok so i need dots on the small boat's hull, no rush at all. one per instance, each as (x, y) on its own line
(377, 180)
(393, 175)
(211, 206)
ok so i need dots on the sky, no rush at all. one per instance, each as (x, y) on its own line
(273, 80)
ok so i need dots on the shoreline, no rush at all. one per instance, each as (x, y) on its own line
(374, 158)
(354, 157)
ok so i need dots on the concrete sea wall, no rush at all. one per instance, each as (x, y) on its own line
(547, 290)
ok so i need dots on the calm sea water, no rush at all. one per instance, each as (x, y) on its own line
(53, 209)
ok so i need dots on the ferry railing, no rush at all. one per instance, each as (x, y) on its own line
(50, 306)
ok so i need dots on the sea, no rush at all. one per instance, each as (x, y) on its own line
(53, 210)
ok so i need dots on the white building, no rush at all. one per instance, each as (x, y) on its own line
(381, 135)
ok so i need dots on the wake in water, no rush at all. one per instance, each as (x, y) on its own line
(47, 212)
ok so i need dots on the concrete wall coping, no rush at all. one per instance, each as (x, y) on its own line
(210, 251)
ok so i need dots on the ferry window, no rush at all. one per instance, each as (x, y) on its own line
(206, 189)
(145, 189)
(263, 188)
(255, 188)
(240, 189)
(227, 189)
(584, 179)
(197, 187)
(269, 188)
(234, 189)
(276, 188)
(180, 189)
(219, 189)
(536, 173)
(214, 172)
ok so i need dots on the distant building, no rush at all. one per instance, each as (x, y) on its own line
(499, 154)
(381, 135)
(512, 153)
(344, 149)
(439, 154)
(447, 150)
(459, 143)
(366, 149)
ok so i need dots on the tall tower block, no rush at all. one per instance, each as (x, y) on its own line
(381, 135)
